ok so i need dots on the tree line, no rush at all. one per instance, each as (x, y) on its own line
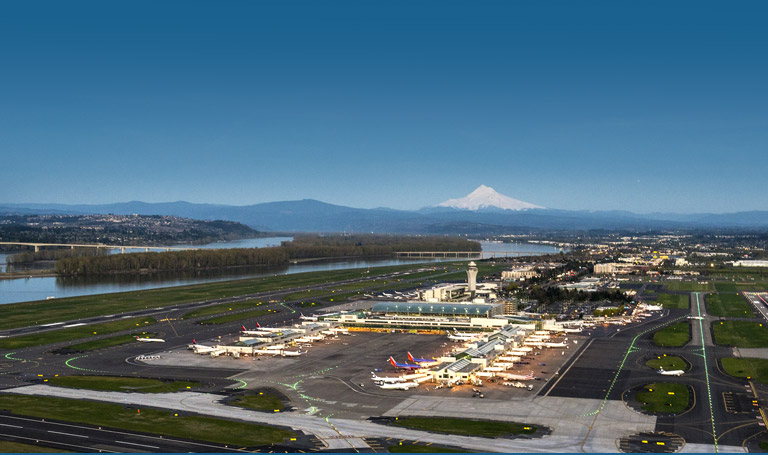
(303, 247)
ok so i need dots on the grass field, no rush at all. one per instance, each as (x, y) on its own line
(17, 447)
(261, 402)
(47, 311)
(668, 362)
(742, 334)
(236, 317)
(736, 287)
(674, 301)
(75, 333)
(214, 310)
(466, 427)
(689, 286)
(674, 335)
(755, 369)
(108, 342)
(664, 397)
(415, 448)
(728, 305)
(147, 420)
(121, 384)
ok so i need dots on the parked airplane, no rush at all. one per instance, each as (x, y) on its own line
(561, 344)
(203, 349)
(150, 340)
(386, 379)
(307, 318)
(285, 353)
(245, 331)
(517, 377)
(423, 362)
(458, 336)
(405, 366)
(399, 385)
(671, 372)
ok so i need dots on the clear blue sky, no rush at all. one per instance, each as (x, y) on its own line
(643, 106)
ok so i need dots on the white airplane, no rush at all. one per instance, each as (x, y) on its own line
(247, 332)
(653, 307)
(386, 379)
(150, 340)
(203, 349)
(459, 337)
(399, 385)
(561, 344)
(267, 329)
(664, 372)
(307, 318)
(285, 353)
(517, 377)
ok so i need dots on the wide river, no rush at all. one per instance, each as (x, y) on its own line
(28, 289)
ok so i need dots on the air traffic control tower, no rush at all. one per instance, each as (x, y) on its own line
(472, 277)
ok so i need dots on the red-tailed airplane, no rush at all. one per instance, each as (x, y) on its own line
(423, 362)
(405, 366)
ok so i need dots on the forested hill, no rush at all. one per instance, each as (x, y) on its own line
(118, 229)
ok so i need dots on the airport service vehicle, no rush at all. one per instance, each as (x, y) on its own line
(404, 366)
(150, 340)
(399, 385)
(423, 362)
(386, 379)
(664, 372)
(518, 385)
(517, 377)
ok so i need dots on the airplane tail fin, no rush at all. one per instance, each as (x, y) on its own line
(193, 341)
(410, 357)
(258, 326)
(392, 361)
(243, 327)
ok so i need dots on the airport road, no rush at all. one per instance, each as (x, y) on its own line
(86, 438)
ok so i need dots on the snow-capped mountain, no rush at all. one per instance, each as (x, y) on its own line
(486, 197)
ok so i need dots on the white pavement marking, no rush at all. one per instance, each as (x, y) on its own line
(135, 444)
(7, 425)
(68, 434)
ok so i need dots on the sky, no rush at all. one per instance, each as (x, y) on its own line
(651, 106)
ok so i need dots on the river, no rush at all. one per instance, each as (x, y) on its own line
(40, 288)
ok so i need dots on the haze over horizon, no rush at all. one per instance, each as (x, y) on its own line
(654, 107)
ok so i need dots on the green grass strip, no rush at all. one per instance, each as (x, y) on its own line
(742, 334)
(223, 308)
(17, 447)
(147, 420)
(121, 384)
(664, 397)
(262, 402)
(74, 333)
(674, 335)
(748, 368)
(465, 427)
(728, 305)
(236, 317)
(674, 301)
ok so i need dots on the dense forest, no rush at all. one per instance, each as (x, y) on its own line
(303, 247)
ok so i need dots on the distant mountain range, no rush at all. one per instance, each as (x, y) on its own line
(484, 211)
